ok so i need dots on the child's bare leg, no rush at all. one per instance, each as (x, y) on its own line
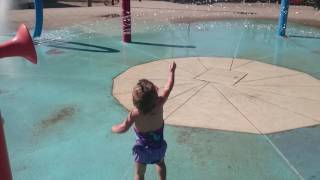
(140, 171)
(161, 169)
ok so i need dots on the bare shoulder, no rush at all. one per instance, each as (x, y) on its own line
(162, 100)
(134, 113)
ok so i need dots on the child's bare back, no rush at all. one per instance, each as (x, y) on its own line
(151, 121)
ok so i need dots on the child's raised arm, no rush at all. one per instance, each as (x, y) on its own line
(170, 82)
(125, 125)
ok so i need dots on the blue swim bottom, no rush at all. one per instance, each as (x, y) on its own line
(149, 155)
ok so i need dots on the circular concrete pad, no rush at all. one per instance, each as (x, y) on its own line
(230, 94)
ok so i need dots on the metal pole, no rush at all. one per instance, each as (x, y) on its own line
(5, 171)
(39, 18)
(282, 24)
(126, 21)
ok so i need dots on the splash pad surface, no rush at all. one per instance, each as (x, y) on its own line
(58, 114)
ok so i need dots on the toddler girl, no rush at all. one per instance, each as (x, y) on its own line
(147, 117)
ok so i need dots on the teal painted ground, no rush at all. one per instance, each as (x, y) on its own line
(58, 114)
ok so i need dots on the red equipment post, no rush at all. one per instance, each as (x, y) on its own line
(126, 21)
(20, 45)
(5, 171)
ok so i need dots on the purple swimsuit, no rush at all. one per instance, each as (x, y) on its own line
(150, 147)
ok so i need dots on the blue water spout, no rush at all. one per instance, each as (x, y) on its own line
(39, 18)
(282, 24)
